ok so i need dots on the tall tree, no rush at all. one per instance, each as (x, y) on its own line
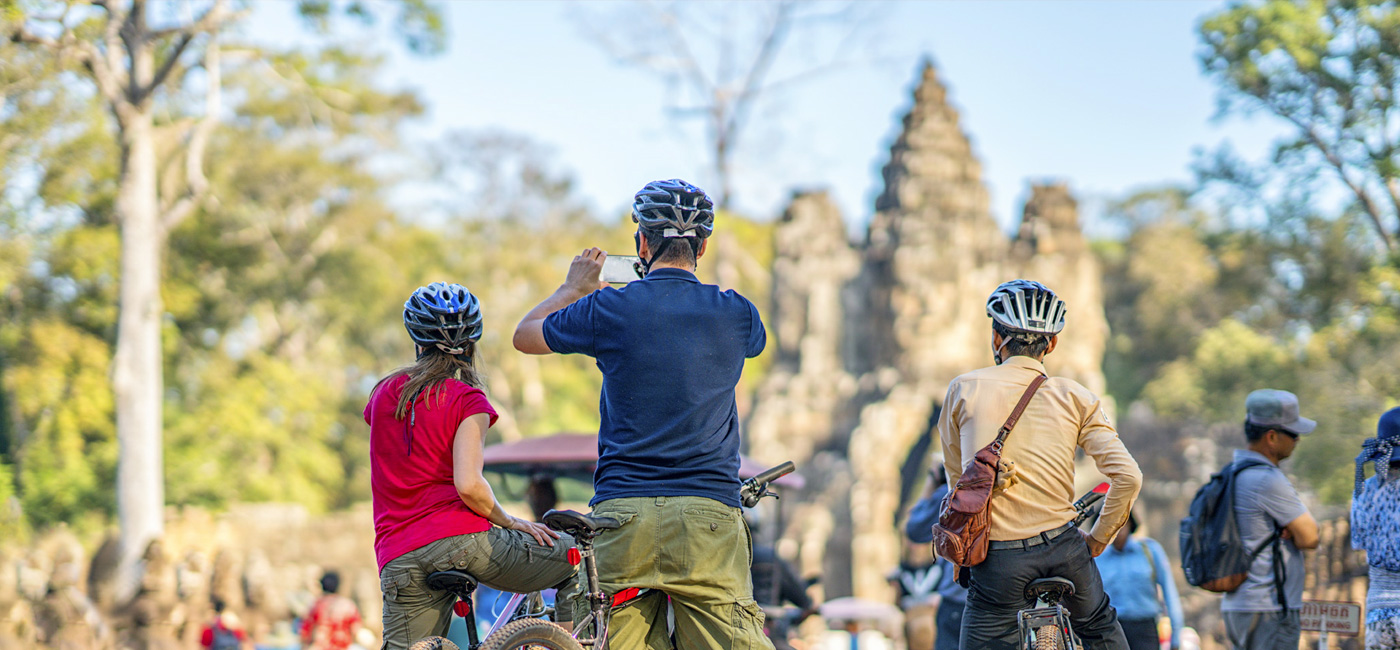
(130, 60)
(1331, 69)
(138, 55)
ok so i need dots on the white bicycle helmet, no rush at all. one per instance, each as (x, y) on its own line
(1027, 307)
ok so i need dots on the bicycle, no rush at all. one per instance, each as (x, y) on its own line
(1046, 625)
(520, 625)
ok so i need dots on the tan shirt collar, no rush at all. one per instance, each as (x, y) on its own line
(1024, 362)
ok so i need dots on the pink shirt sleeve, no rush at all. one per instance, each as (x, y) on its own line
(472, 402)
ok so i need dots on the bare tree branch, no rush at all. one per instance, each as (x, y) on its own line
(164, 71)
(197, 184)
(1368, 203)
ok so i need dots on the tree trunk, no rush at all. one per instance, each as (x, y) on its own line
(137, 374)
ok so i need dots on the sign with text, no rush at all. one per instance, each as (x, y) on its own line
(1331, 617)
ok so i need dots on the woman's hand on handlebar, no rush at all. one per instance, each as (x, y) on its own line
(542, 533)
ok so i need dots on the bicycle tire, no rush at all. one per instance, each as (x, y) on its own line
(433, 643)
(532, 633)
(1047, 637)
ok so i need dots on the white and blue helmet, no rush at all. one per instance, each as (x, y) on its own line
(442, 315)
(1027, 307)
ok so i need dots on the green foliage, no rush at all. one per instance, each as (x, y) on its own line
(283, 294)
(260, 431)
(1230, 360)
(56, 384)
(1329, 68)
(418, 22)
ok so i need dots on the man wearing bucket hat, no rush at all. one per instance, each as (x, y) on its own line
(1375, 508)
(1263, 613)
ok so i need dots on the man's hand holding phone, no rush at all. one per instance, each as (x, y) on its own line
(583, 272)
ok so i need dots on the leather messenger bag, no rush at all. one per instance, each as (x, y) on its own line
(961, 534)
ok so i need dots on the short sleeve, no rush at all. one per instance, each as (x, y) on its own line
(570, 330)
(758, 337)
(472, 402)
(1279, 500)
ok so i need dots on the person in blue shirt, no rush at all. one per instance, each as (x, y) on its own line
(919, 529)
(671, 351)
(1375, 507)
(1134, 568)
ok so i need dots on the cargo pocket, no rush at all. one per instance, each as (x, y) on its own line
(748, 626)
(391, 584)
(459, 558)
(715, 548)
(396, 634)
(627, 552)
(622, 514)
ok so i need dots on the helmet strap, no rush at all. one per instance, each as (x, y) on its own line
(665, 243)
(996, 354)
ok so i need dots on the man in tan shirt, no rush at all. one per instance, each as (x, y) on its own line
(1032, 512)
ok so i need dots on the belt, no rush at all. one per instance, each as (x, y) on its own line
(1036, 540)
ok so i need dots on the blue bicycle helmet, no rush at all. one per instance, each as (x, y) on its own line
(674, 207)
(445, 316)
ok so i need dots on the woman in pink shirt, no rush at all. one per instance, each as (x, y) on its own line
(433, 509)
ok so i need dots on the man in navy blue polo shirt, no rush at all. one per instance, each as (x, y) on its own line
(671, 351)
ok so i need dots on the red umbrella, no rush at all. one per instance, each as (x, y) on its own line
(577, 454)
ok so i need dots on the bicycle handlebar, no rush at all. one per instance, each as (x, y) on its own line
(757, 487)
(1087, 504)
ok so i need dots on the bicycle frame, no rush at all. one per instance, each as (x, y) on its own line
(601, 605)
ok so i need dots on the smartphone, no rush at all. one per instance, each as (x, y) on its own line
(621, 269)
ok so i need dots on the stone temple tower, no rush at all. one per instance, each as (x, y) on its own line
(869, 334)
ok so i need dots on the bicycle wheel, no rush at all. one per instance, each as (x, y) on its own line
(433, 643)
(1047, 637)
(531, 634)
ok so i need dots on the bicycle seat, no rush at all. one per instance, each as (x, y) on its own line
(452, 581)
(1056, 587)
(573, 523)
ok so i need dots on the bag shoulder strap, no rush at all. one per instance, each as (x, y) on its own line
(1152, 562)
(1016, 413)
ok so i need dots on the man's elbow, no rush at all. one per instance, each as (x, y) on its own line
(1306, 540)
(1129, 480)
(529, 338)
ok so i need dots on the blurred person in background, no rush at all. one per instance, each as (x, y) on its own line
(225, 632)
(1375, 528)
(433, 508)
(952, 597)
(776, 583)
(333, 619)
(541, 494)
(1139, 584)
(1264, 612)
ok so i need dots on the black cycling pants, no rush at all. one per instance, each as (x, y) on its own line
(999, 584)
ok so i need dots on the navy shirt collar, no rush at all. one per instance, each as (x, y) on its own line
(668, 273)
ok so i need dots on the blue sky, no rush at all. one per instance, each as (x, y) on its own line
(1107, 96)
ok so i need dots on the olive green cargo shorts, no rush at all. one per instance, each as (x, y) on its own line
(507, 560)
(696, 550)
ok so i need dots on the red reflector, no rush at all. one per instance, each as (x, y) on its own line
(625, 595)
(463, 608)
(575, 557)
